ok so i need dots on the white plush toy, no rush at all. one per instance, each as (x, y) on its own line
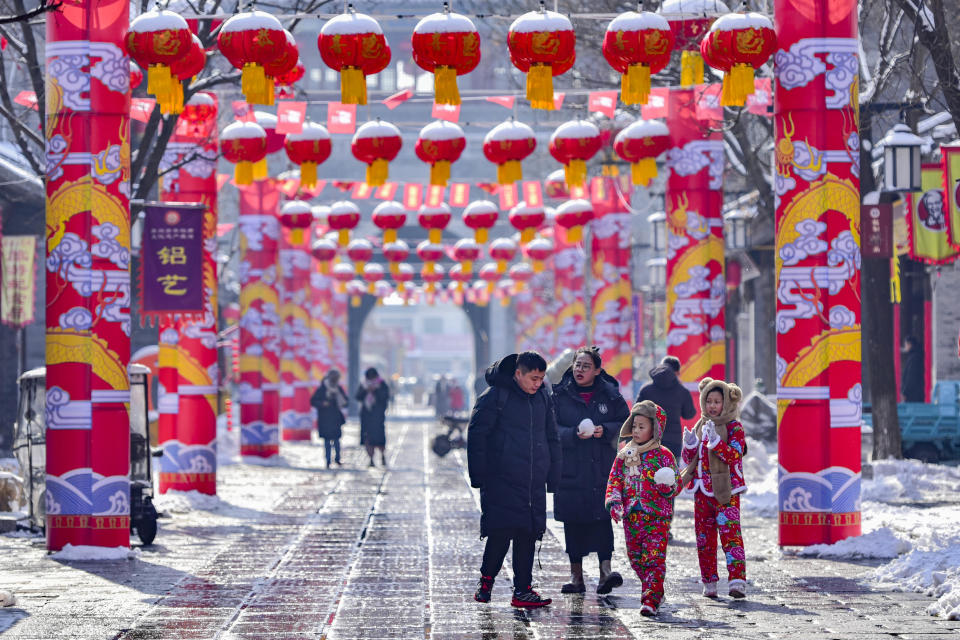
(586, 426)
(665, 475)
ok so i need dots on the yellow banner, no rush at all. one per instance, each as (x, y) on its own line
(17, 293)
(927, 219)
(951, 169)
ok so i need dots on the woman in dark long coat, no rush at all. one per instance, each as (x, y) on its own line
(590, 412)
(373, 396)
(330, 399)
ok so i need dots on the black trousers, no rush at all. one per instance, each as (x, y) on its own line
(498, 541)
(584, 538)
(334, 443)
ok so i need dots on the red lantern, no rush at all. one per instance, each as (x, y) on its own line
(183, 70)
(435, 220)
(376, 143)
(572, 144)
(689, 21)
(637, 45)
(343, 273)
(489, 273)
(503, 250)
(737, 44)
(354, 44)
(521, 273)
(283, 64)
(459, 275)
(355, 289)
(640, 144)
(395, 253)
(403, 275)
(440, 144)
(389, 216)
(573, 215)
(539, 251)
(506, 145)
(466, 252)
(244, 144)
(480, 216)
(373, 273)
(555, 185)
(542, 43)
(430, 253)
(269, 123)
(447, 45)
(324, 251)
(360, 251)
(250, 41)
(292, 76)
(343, 216)
(157, 40)
(526, 220)
(431, 274)
(136, 75)
(309, 148)
(296, 215)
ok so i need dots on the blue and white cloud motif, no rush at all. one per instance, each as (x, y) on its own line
(257, 433)
(188, 458)
(111, 495)
(835, 489)
(71, 493)
(77, 318)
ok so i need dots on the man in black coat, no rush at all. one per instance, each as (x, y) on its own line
(513, 455)
(911, 371)
(667, 391)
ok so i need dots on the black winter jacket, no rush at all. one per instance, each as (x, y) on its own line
(586, 462)
(513, 453)
(675, 399)
(329, 416)
(373, 427)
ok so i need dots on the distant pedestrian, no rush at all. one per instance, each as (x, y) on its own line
(513, 456)
(373, 396)
(912, 381)
(666, 390)
(713, 454)
(457, 398)
(590, 411)
(330, 400)
(643, 483)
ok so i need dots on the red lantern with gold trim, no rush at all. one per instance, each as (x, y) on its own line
(539, 251)
(324, 251)
(389, 216)
(637, 45)
(480, 216)
(737, 44)
(343, 216)
(157, 40)
(373, 273)
(435, 220)
(689, 21)
(342, 272)
(572, 145)
(430, 253)
(283, 64)
(573, 215)
(296, 215)
(376, 143)
(460, 276)
(292, 76)
(639, 144)
(136, 75)
(244, 144)
(447, 45)
(403, 276)
(354, 45)
(361, 252)
(250, 41)
(395, 253)
(440, 144)
(526, 220)
(309, 148)
(466, 252)
(542, 44)
(432, 274)
(506, 145)
(490, 274)
(521, 273)
(503, 250)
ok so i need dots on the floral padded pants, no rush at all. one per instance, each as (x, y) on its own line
(646, 537)
(710, 518)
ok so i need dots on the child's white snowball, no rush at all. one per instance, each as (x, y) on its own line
(665, 475)
(585, 426)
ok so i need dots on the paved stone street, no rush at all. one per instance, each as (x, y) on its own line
(372, 553)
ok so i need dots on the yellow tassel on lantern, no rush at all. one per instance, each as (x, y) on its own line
(296, 237)
(440, 173)
(895, 280)
(430, 287)
(480, 236)
(436, 236)
(394, 268)
(253, 83)
(401, 288)
(243, 173)
(158, 80)
(540, 86)
(643, 171)
(490, 287)
(389, 235)
(341, 287)
(343, 237)
(527, 235)
(308, 175)
(371, 288)
(575, 173)
(354, 301)
(260, 169)
(574, 234)
(538, 266)
(271, 90)
(353, 86)
(445, 89)
(504, 301)
(377, 172)
(325, 267)
(691, 69)
(466, 266)
(635, 84)
(742, 82)
(509, 172)
(428, 267)
(358, 267)
(501, 266)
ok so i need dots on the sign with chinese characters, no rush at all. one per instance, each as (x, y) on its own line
(17, 293)
(171, 271)
(876, 226)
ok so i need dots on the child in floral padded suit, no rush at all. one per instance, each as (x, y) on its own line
(713, 454)
(640, 491)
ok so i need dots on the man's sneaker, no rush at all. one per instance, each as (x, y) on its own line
(529, 598)
(648, 610)
(710, 589)
(484, 587)
(738, 589)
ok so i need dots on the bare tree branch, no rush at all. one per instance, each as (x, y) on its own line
(42, 8)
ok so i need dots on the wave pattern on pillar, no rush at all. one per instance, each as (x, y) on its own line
(259, 337)
(168, 404)
(696, 288)
(819, 391)
(88, 276)
(570, 329)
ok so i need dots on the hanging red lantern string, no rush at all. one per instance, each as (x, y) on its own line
(373, 273)
(389, 216)
(430, 253)
(637, 45)
(324, 251)
(157, 40)
(542, 44)
(395, 253)
(283, 64)
(249, 41)
(343, 273)
(573, 215)
(521, 273)
(489, 273)
(737, 44)
(360, 251)
(639, 144)
(572, 144)
(440, 143)
(296, 215)
(689, 21)
(343, 216)
(526, 220)
(466, 252)
(309, 148)
(447, 45)
(403, 275)
(435, 220)
(244, 144)
(431, 275)
(506, 145)
(353, 44)
(200, 113)
(376, 143)
(503, 250)
(480, 216)
(539, 251)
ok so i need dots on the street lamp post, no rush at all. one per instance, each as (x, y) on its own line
(736, 230)
(658, 229)
(901, 159)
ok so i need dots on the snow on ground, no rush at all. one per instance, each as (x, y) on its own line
(185, 501)
(760, 472)
(881, 543)
(89, 552)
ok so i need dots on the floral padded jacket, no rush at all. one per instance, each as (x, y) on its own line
(633, 485)
(730, 452)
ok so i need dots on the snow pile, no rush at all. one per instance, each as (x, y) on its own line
(910, 480)
(760, 471)
(228, 440)
(882, 543)
(88, 552)
(933, 569)
(186, 501)
(273, 461)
